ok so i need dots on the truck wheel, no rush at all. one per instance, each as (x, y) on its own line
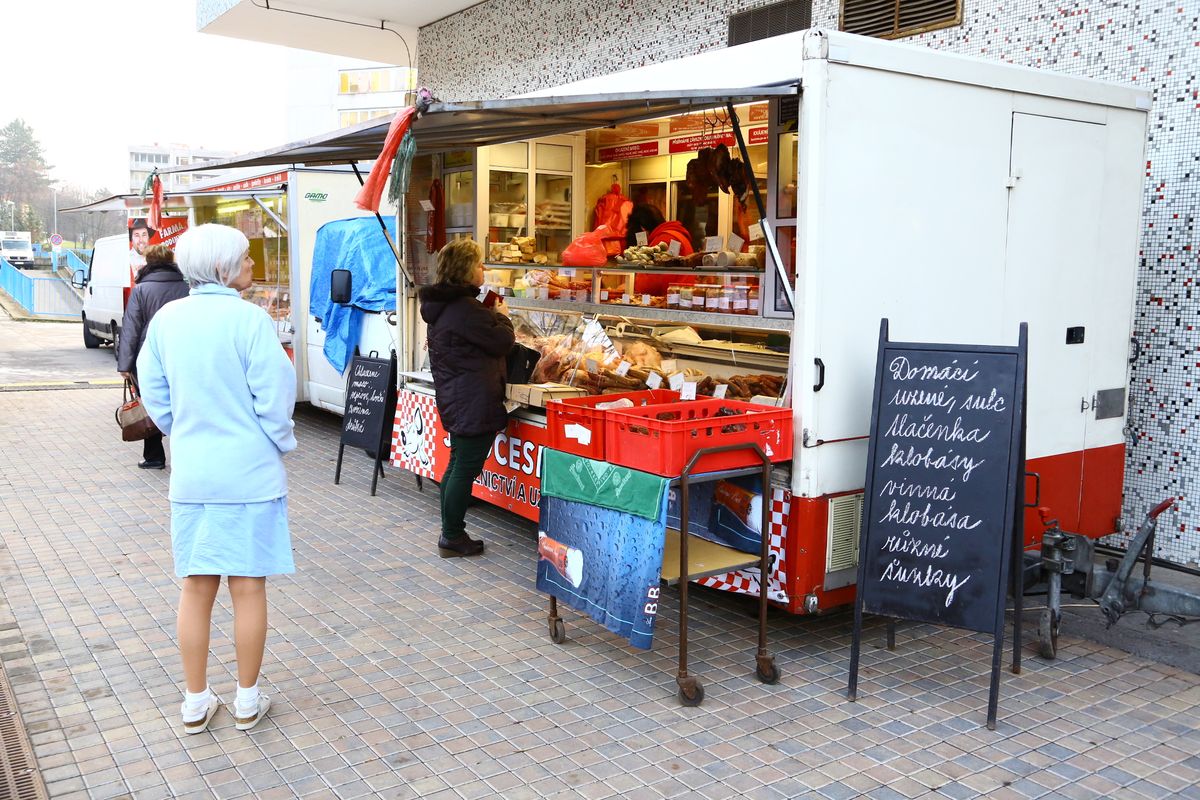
(116, 341)
(90, 340)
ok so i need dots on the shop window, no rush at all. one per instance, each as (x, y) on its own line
(892, 19)
(381, 79)
(773, 20)
(353, 117)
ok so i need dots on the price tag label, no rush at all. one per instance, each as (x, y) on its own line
(668, 366)
(676, 381)
(688, 391)
(673, 248)
(719, 391)
(713, 244)
(592, 366)
(654, 381)
(736, 242)
(428, 206)
(567, 273)
(756, 233)
(646, 300)
(642, 238)
(623, 368)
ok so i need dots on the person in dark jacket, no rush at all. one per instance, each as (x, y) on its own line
(468, 343)
(156, 284)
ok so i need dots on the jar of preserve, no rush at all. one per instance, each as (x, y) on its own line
(752, 300)
(725, 300)
(712, 299)
(740, 303)
(686, 295)
(673, 295)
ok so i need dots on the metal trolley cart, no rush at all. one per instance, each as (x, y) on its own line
(713, 559)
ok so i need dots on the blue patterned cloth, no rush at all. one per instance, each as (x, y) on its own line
(621, 563)
(241, 539)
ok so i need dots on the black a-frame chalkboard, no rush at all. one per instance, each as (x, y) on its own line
(942, 508)
(370, 411)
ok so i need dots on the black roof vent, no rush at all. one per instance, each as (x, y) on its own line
(767, 21)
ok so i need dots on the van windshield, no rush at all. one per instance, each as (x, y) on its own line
(14, 244)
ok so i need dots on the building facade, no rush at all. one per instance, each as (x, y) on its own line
(1155, 45)
(144, 159)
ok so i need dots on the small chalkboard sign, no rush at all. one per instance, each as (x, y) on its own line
(369, 411)
(944, 488)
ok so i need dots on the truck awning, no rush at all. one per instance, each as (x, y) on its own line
(172, 200)
(465, 125)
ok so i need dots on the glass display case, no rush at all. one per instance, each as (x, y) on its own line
(260, 219)
(609, 352)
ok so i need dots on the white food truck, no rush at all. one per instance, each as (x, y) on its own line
(281, 212)
(956, 197)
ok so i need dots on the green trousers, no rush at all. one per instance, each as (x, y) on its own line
(467, 454)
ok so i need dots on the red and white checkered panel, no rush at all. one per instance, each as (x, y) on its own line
(746, 581)
(414, 436)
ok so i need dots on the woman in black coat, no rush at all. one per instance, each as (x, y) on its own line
(157, 283)
(468, 343)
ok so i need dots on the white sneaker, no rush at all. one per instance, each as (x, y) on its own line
(201, 725)
(245, 723)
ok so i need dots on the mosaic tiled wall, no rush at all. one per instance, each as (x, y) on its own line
(504, 47)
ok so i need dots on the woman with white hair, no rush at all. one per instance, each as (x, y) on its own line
(215, 378)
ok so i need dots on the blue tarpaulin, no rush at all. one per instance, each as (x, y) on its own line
(356, 244)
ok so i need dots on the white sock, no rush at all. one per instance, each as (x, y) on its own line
(247, 699)
(195, 704)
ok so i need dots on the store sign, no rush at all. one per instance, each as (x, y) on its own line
(511, 475)
(627, 151)
(274, 179)
(688, 144)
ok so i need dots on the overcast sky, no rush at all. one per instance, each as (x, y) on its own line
(92, 78)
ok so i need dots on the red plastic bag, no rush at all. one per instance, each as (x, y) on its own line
(587, 251)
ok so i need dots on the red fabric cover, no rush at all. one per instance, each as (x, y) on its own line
(154, 218)
(369, 195)
(435, 238)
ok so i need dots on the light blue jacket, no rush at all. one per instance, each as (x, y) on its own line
(215, 378)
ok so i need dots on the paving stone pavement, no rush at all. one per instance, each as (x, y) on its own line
(399, 674)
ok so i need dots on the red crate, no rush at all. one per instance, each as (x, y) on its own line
(640, 439)
(582, 411)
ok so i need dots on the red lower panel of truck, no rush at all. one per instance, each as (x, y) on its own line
(511, 476)
(1081, 489)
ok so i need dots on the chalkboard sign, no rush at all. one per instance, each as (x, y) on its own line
(370, 410)
(945, 466)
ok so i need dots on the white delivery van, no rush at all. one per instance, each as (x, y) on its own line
(106, 287)
(17, 248)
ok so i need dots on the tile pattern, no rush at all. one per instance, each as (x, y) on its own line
(399, 674)
(504, 47)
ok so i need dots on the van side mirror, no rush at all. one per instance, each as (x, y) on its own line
(340, 284)
(78, 279)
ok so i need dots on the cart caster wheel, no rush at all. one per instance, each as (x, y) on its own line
(558, 631)
(769, 676)
(1047, 635)
(694, 698)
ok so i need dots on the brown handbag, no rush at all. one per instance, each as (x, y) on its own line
(132, 417)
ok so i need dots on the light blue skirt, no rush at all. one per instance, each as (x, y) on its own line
(241, 539)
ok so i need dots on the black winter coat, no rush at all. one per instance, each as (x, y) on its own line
(156, 286)
(468, 343)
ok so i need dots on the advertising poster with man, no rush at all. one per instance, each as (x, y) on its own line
(141, 236)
